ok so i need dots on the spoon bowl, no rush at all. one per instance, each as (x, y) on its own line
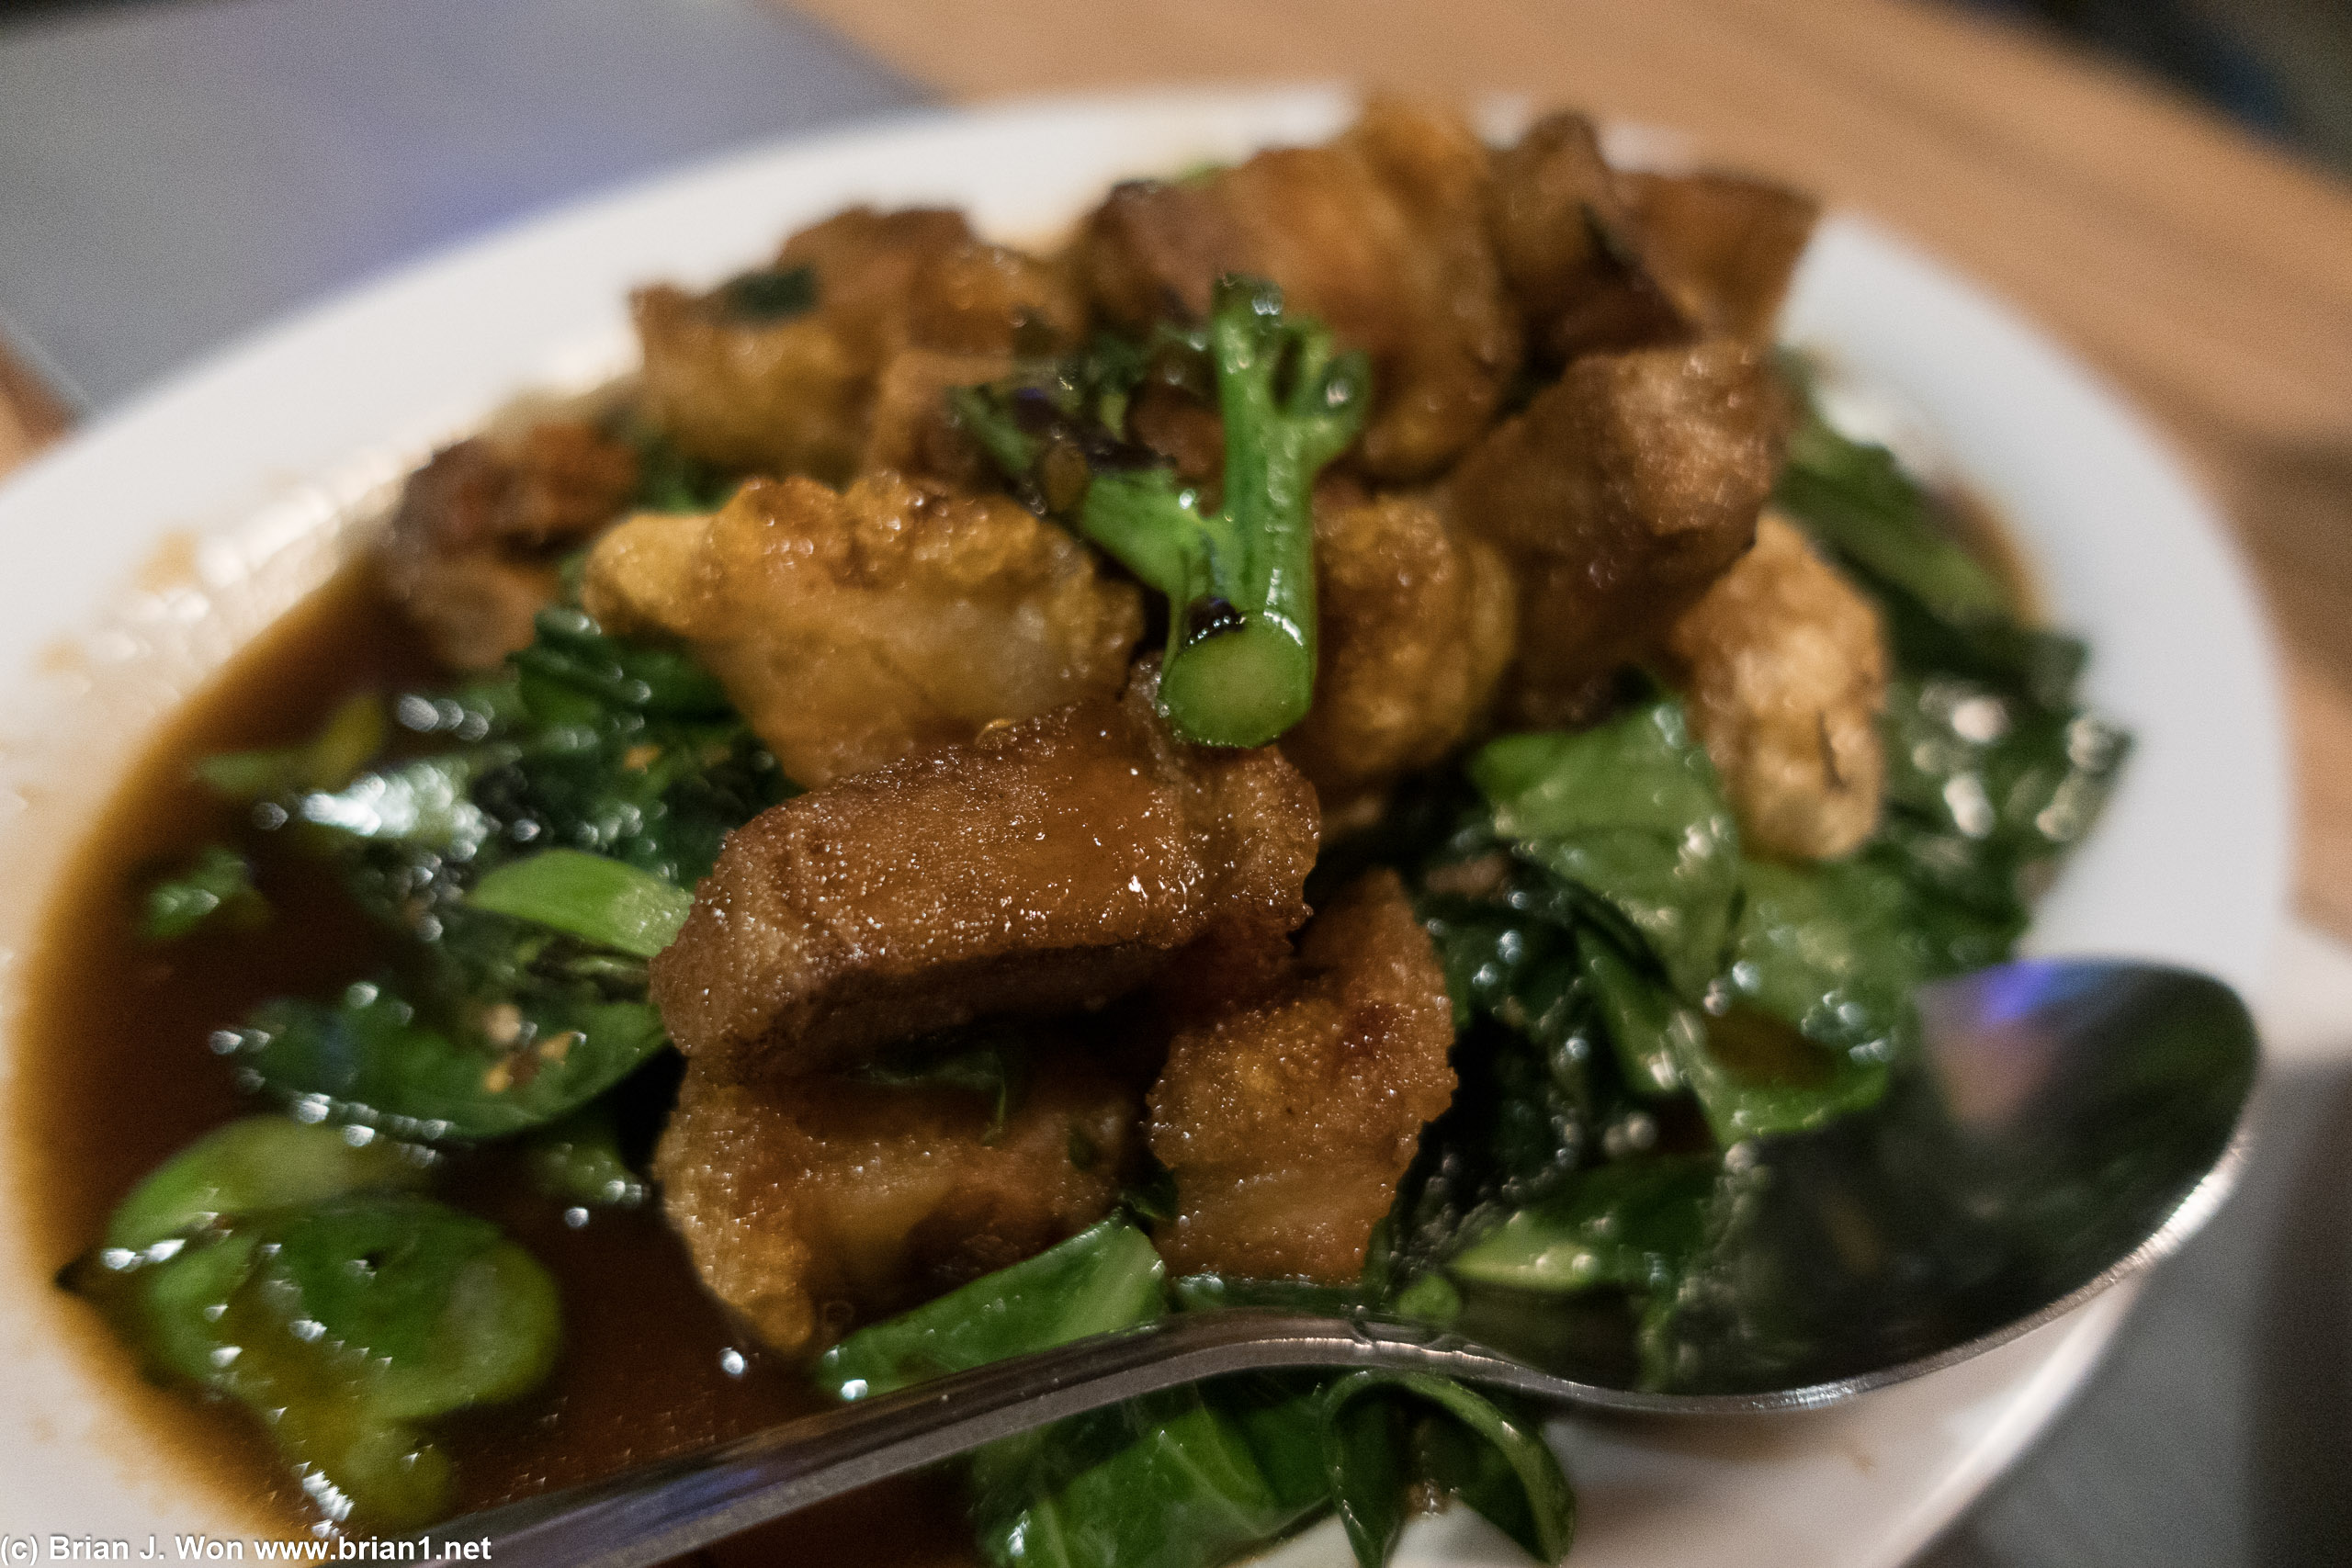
(2070, 1123)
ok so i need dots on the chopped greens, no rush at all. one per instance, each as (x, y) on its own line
(528, 873)
(987, 1060)
(370, 1060)
(1468, 1443)
(1628, 818)
(769, 294)
(283, 1266)
(215, 892)
(1189, 1477)
(347, 742)
(260, 1162)
(1104, 1278)
(579, 1160)
(604, 902)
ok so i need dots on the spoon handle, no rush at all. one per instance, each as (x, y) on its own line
(663, 1510)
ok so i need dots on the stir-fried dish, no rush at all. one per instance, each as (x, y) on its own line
(1349, 737)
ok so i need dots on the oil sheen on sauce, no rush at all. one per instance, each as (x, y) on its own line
(118, 1076)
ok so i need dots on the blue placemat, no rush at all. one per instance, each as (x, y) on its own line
(173, 175)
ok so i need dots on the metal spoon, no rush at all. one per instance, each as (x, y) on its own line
(2074, 1123)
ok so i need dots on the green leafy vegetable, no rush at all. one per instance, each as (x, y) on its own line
(260, 1162)
(526, 874)
(423, 804)
(571, 670)
(1166, 1481)
(370, 1060)
(1239, 578)
(1174, 1480)
(670, 480)
(1630, 815)
(216, 892)
(349, 741)
(341, 1319)
(1632, 1223)
(1857, 500)
(1985, 790)
(1107, 1276)
(769, 294)
(1497, 1463)
(987, 1059)
(578, 1161)
(604, 902)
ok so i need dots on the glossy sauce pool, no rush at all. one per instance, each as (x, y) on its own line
(118, 1075)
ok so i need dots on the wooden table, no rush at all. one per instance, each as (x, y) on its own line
(2206, 273)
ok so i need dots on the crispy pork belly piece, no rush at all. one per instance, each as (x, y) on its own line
(1785, 663)
(1723, 245)
(1047, 866)
(807, 1203)
(470, 552)
(1618, 496)
(1417, 621)
(792, 393)
(1572, 249)
(1381, 233)
(852, 628)
(1287, 1121)
(910, 430)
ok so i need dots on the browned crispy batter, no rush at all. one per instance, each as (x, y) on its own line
(1416, 624)
(853, 628)
(809, 1202)
(910, 431)
(1288, 1121)
(1381, 233)
(469, 552)
(1723, 247)
(794, 395)
(1049, 866)
(1572, 248)
(1786, 667)
(1618, 496)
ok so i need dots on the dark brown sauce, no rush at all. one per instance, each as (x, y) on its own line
(118, 1075)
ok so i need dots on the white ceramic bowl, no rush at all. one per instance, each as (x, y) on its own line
(135, 558)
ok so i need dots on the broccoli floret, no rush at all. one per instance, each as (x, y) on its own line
(1239, 578)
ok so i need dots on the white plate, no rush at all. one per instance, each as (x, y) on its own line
(133, 558)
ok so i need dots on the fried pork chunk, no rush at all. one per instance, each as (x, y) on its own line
(854, 627)
(1723, 245)
(1288, 1119)
(1786, 667)
(1571, 247)
(1047, 866)
(1603, 259)
(1381, 233)
(1618, 496)
(1415, 623)
(471, 550)
(809, 1202)
(911, 432)
(758, 374)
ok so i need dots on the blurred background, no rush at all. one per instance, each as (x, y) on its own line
(2165, 185)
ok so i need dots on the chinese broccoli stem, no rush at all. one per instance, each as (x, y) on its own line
(1240, 580)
